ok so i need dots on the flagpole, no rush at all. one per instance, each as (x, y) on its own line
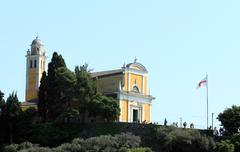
(207, 98)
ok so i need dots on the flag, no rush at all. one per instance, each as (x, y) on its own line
(203, 82)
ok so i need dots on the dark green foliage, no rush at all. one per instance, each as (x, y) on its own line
(107, 107)
(170, 139)
(69, 115)
(11, 113)
(230, 119)
(56, 89)
(84, 89)
(235, 140)
(65, 83)
(2, 120)
(224, 146)
(42, 97)
(2, 104)
(53, 103)
(1, 96)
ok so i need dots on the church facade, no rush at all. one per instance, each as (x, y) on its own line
(129, 85)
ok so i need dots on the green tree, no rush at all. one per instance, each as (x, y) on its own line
(104, 106)
(2, 103)
(11, 113)
(42, 97)
(230, 119)
(52, 85)
(111, 109)
(84, 89)
(2, 120)
(65, 82)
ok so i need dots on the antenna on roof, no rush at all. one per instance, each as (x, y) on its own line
(135, 60)
(37, 35)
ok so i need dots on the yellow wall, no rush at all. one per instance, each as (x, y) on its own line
(31, 92)
(138, 78)
(145, 86)
(108, 84)
(125, 88)
(124, 111)
(147, 112)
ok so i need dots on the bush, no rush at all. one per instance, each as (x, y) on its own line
(235, 140)
(25, 147)
(110, 143)
(140, 150)
(107, 143)
(224, 146)
(172, 139)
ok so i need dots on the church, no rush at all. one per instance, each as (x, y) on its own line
(128, 84)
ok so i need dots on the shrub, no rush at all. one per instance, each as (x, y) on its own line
(224, 146)
(107, 143)
(140, 150)
(110, 143)
(235, 140)
(25, 147)
(172, 139)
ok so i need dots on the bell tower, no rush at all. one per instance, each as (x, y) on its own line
(35, 66)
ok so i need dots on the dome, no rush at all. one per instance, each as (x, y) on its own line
(37, 47)
(37, 41)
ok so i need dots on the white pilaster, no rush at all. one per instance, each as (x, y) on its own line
(143, 113)
(129, 112)
(129, 81)
(143, 84)
(120, 106)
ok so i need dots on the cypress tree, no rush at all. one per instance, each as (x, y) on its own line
(53, 92)
(12, 112)
(42, 97)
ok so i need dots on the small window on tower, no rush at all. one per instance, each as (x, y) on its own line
(35, 63)
(30, 63)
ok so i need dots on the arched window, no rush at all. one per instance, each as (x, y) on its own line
(135, 89)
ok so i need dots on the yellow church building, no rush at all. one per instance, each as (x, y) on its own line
(129, 85)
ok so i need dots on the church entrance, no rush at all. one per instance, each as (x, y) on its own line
(135, 115)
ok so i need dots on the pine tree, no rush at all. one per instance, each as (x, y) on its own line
(84, 89)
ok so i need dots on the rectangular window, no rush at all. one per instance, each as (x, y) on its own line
(31, 63)
(35, 63)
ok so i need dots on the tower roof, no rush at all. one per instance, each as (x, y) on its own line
(37, 41)
(37, 47)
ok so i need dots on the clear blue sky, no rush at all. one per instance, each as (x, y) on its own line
(178, 41)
